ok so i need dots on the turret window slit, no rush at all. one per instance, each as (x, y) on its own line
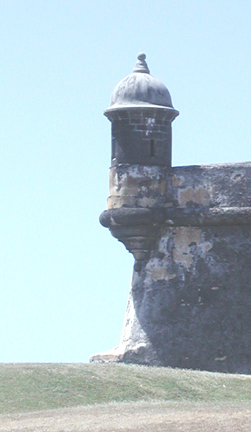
(152, 149)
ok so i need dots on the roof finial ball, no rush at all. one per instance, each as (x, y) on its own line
(141, 65)
(141, 113)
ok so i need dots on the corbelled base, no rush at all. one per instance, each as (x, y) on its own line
(135, 228)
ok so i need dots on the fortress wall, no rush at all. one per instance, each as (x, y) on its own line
(189, 230)
(190, 300)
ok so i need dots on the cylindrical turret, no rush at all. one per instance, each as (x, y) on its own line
(141, 114)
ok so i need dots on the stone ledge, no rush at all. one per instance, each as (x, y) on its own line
(195, 216)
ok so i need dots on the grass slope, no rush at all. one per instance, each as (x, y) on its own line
(135, 417)
(32, 387)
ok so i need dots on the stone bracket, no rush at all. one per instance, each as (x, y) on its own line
(135, 228)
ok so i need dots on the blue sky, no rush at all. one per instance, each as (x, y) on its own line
(64, 280)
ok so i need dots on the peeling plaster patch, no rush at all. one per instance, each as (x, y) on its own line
(147, 202)
(161, 273)
(113, 182)
(156, 271)
(122, 184)
(119, 201)
(129, 182)
(177, 181)
(183, 237)
(198, 195)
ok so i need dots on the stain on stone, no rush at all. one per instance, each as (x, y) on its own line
(199, 195)
(157, 269)
(183, 236)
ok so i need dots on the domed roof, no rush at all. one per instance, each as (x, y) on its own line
(140, 89)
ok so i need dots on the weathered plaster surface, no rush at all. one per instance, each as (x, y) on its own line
(205, 186)
(195, 305)
(190, 300)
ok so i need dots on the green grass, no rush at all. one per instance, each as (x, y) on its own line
(32, 387)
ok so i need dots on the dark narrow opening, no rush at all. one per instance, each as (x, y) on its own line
(113, 149)
(152, 148)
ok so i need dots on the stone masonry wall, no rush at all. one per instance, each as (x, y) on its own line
(190, 300)
(190, 306)
(141, 138)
